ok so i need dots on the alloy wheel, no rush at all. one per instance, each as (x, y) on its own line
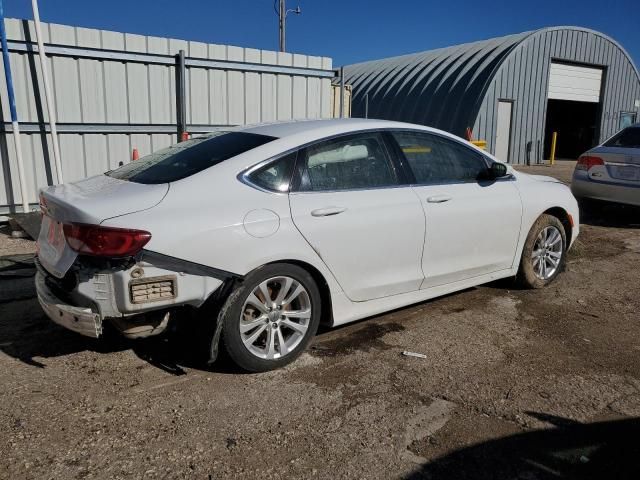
(547, 252)
(275, 317)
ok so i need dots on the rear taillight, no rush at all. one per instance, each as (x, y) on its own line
(585, 162)
(105, 241)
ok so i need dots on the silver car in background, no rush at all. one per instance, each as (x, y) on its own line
(611, 171)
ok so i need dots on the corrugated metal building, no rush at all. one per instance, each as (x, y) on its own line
(117, 91)
(512, 91)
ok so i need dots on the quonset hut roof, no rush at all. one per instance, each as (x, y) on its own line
(443, 88)
(458, 87)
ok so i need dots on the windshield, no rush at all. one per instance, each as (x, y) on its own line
(189, 157)
(629, 138)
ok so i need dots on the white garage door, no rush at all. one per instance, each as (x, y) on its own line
(571, 82)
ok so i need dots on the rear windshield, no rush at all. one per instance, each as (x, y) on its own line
(188, 157)
(629, 138)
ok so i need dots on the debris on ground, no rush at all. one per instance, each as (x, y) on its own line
(413, 354)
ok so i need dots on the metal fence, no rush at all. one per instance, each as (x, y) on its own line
(114, 92)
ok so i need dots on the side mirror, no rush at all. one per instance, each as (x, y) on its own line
(497, 170)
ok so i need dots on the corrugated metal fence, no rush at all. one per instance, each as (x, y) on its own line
(117, 91)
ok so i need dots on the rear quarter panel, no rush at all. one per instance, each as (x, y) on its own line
(218, 221)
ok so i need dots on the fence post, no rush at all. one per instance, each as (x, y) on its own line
(181, 103)
(51, 109)
(341, 92)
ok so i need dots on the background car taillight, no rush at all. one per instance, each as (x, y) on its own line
(105, 241)
(585, 162)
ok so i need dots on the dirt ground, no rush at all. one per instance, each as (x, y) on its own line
(515, 385)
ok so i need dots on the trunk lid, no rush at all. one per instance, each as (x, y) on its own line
(90, 201)
(622, 164)
(98, 198)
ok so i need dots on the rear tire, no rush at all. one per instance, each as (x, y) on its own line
(270, 318)
(544, 253)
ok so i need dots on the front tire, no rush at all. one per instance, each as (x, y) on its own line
(544, 253)
(269, 319)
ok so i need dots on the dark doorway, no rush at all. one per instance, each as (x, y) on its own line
(577, 127)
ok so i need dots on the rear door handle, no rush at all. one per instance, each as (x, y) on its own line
(438, 198)
(327, 211)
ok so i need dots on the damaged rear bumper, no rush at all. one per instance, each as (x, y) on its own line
(78, 319)
(136, 297)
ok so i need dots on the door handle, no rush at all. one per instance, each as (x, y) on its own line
(327, 211)
(438, 198)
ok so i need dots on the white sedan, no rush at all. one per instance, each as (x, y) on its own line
(611, 171)
(268, 230)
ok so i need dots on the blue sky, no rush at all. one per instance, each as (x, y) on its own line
(347, 31)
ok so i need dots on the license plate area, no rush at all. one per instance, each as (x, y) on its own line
(625, 172)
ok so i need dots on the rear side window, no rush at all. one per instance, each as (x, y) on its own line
(187, 158)
(627, 138)
(435, 159)
(346, 163)
(275, 176)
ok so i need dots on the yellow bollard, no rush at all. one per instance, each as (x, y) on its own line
(554, 138)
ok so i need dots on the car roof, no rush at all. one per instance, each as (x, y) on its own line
(322, 128)
(291, 134)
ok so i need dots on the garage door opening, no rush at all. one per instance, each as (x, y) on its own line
(573, 108)
(577, 127)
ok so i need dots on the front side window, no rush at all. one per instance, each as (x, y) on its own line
(276, 175)
(346, 163)
(187, 158)
(435, 159)
(627, 138)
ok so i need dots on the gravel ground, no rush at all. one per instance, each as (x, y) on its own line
(13, 246)
(515, 384)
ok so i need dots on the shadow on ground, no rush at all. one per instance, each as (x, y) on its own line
(605, 214)
(571, 450)
(28, 335)
(16, 277)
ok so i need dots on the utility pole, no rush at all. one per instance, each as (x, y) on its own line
(282, 21)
